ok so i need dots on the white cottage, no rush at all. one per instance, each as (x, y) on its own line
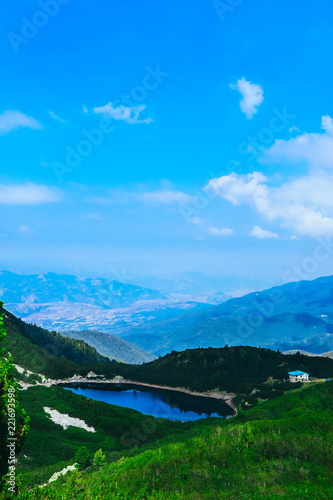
(298, 376)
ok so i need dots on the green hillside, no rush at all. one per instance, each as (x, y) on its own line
(113, 424)
(207, 329)
(292, 316)
(279, 449)
(233, 369)
(278, 445)
(111, 346)
(46, 352)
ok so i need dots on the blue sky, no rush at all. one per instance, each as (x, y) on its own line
(167, 137)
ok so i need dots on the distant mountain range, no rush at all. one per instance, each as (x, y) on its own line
(66, 302)
(295, 316)
(51, 287)
(328, 354)
(292, 316)
(313, 297)
(35, 348)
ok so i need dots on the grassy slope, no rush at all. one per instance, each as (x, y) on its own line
(46, 352)
(118, 430)
(279, 449)
(111, 346)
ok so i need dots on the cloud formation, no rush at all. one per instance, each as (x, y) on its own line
(28, 194)
(315, 149)
(253, 96)
(304, 205)
(260, 233)
(127, 114)
(12, 120)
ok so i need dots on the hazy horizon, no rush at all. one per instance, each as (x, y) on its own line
(200, 152)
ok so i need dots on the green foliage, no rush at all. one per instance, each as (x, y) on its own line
(41, 351)
(82, 458)
(237, 370)
(14, 422)
(49, 448)
(99, 459)
(111, 346)
(74, 349)
(282, 448)
(247, 436)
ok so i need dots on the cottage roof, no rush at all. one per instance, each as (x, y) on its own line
(297, 372)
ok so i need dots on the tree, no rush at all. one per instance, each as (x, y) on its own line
(82, 458)
(247, 436)
(99, 459)
(14, 422)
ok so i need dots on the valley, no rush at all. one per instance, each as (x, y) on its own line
(215, 383)
(66, 302)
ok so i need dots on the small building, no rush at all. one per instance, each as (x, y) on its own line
(298, 376)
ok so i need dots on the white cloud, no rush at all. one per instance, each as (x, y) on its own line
(260, 233)
(56, 117)
(223, 231)
(294, 129)
(85, 109)
(316, 150)
(327, 124)
(304, 205)
(240, 189)
(12, 120)
(253, 96)
(27, 194)
(127, 114)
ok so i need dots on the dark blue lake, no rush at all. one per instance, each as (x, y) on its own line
(160, 403)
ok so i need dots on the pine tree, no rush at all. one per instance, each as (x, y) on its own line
(247, 436)
(82, 458)
(14, 423)
(99, 459)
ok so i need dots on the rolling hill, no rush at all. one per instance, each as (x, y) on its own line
(111, 346)
(293, 316)
(41, 351)
(56, 355)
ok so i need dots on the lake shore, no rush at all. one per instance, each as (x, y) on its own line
(221, 395)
